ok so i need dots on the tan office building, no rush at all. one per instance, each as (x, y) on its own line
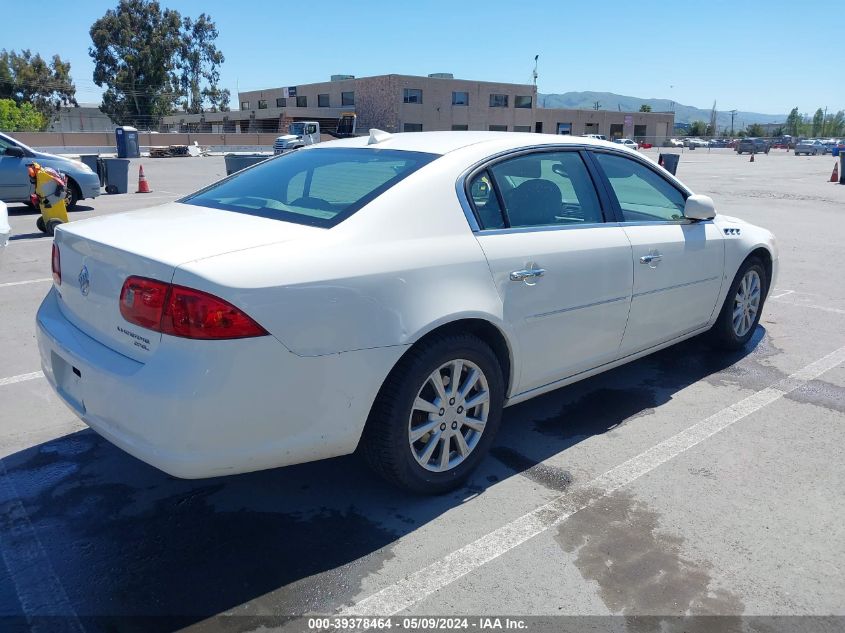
(405, 103)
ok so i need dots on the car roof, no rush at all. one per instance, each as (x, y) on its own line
(446, 142)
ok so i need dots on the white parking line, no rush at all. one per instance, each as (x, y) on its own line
(781, 294)
(423, 583)
(11, 380)
(23, 283)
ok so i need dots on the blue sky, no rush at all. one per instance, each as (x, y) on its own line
(741, 53)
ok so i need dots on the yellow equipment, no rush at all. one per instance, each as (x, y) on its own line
(49, 196)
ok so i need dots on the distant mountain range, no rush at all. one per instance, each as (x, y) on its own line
(683, 113)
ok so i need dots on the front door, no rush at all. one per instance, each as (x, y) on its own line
(678, 264)
(564, 275)
(14, 179)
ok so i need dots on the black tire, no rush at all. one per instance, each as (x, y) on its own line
(40, 224)
(72, 195)
(51, 226)
(722, 333)
(385, 441)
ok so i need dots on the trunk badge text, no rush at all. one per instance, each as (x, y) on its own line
(84, 281)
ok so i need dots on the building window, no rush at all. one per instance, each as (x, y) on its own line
(412, 127)
(521, 128)
(244, 105)
(262, 104)
(412, 95)
(460, 98)
(498, 101)
(281, 102)
(460, 128)
(498, 128)
(522, 101)
(564, 128)
(302, 102)
(323, 101)
(347, 98)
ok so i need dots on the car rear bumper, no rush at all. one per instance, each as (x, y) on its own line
(207, 408)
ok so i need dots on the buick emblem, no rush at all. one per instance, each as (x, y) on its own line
(84, 281)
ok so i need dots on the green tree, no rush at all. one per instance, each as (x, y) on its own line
(793, 123)
(818, 118)
(134, 52)
(755, 129)
(20, 118)
(778, 131)
(645, 108)
(835, 125)
(200, 61)
(697, 128)
(28, 78)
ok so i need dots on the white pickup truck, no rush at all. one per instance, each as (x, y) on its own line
(300, 134)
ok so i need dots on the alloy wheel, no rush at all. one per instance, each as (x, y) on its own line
(449, 415)
(746, 303)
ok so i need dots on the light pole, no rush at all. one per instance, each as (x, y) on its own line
(733, 114)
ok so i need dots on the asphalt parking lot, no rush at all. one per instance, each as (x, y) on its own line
(691, 482)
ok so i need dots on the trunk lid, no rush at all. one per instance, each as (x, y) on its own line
(97, 256)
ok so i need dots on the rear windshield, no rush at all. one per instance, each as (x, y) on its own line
(318, 187)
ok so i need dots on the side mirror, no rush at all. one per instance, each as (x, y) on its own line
(699, 208)
(14, 152)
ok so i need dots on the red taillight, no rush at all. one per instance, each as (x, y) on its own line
(56, 262)
(181, 311)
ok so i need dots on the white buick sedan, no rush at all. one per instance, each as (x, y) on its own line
(388, 294)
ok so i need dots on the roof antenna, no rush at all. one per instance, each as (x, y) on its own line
(534, 75)
(377, 136)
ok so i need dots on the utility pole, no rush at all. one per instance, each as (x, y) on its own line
(536, 57)
(733, 114)
(596, 105)
(824, 118)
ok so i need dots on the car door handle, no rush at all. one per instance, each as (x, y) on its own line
(528, 273)
(648, 259)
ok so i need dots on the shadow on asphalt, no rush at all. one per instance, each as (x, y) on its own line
(125, 540)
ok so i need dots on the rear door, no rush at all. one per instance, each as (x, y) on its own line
(678, 265)
(563, 273)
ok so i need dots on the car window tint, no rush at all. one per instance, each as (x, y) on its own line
(485, 201)
(547, 189)
(318, 187)
(643, 195)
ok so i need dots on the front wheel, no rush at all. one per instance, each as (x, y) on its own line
(436, 414)
(741, 311)
(72, 195)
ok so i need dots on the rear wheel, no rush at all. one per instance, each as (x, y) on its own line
(51, 226)
(741, 311)
(436, 415)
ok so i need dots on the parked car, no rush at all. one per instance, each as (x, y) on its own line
(627, 143)
(5, 229)
(809, 146)
(719, 142)
(600, 137)
(388, 294)
(829, 144)
(695, 142)
(14, 177)
(753, 145)
(675, 142)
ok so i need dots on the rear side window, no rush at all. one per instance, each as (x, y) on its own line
(317, 187)
(539, 189)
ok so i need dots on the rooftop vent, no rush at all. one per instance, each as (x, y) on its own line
(442, 76)
(342, 77)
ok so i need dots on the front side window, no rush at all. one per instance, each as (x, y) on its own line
(460, 98)
(323, 101)
(498, 101)
(544, 189)
(643, 195)
(522, 101)
(412, 95)
(302, 102)
(347, 98)
(316, 187)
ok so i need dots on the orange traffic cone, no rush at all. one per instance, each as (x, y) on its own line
(834, 177)
(143, 185)
(752, 158)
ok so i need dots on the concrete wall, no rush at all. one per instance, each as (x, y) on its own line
(38, 140)
(658, 125)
